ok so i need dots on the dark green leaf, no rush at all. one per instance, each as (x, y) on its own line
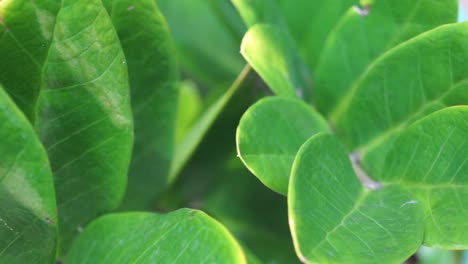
(84, 117)
(28, 214)
(149, 54)
(366, 32)
(196, 133)
(183, 236)
(208, 48)
(310, 23)
(269, 135)
(334, 219)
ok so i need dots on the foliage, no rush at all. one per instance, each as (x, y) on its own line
(353, 115)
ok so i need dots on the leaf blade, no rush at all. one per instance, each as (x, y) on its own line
(84, 117)
(269, 135)
(159, 239)
(28, 218)
(334, 219)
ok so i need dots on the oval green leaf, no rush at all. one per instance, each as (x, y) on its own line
(183, 236)
(333, 219)
(83, 115)
(28, 214)
(152, 70)
(366, 32)
(269, 135)
(272, 54)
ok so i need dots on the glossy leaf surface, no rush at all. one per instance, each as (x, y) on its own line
(149, 54)
(183, 236)
(363, 34)
(269, 135)
(83, 115)
(28, 217)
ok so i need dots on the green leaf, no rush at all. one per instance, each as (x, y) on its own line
(153, 75)
(307, 22)
(430, 159)
(208, 48)
(83, 115)
(418, 77)
(28, 217)
(26, 30)
(183, 236)
(363, 34)
(271, 53)
(269, 135)
(334, 219)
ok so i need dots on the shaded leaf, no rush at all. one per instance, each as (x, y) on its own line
(28, 217)
(272, 55)
(183, 236)
(153, 74)
(193, 137)
(83, 115)
(333, 219)
(269, 135)
(209, 50)
(363, 34)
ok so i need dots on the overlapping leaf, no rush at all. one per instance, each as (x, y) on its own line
(366, 32)
(410, 81)
(269, 135)
(333, 219)
(307, 22)
(184, 236)
(26, 31)
(28, 217)
(423, 186)
(271, 53)
(150, 57)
